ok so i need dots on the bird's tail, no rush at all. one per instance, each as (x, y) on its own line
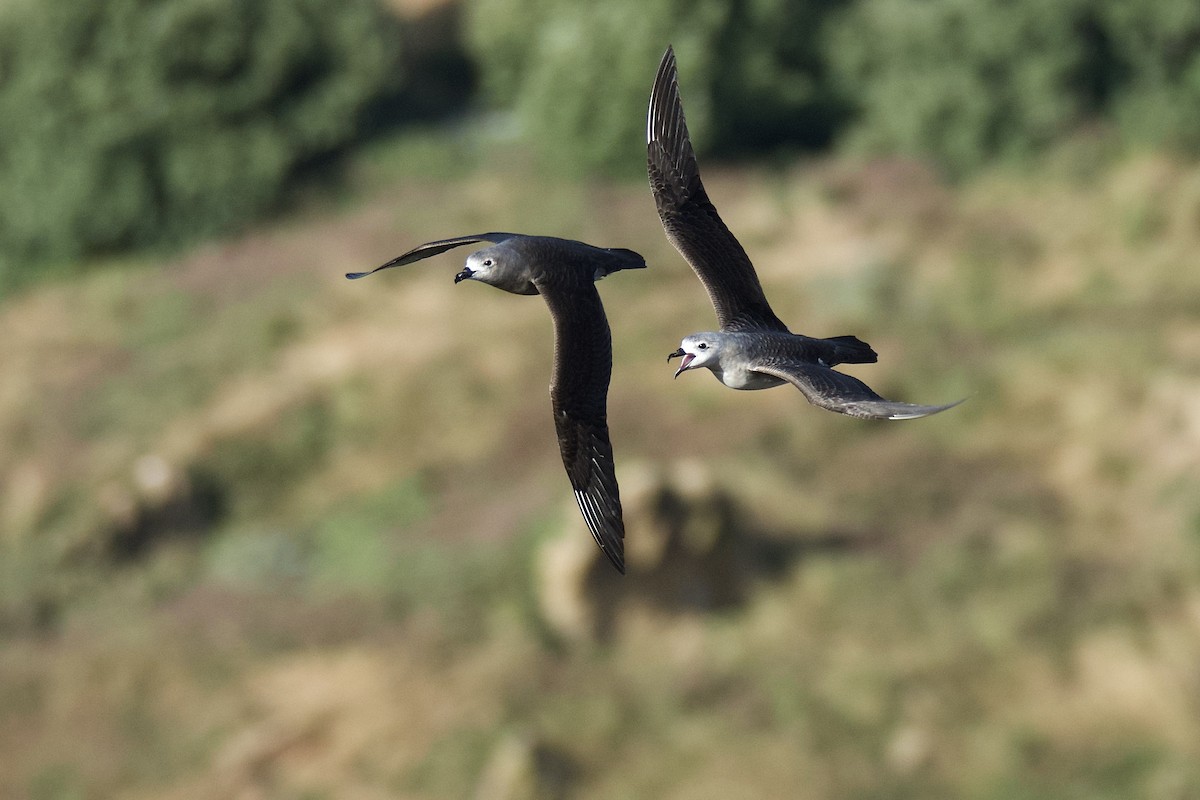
(621, 258)
(852, 350)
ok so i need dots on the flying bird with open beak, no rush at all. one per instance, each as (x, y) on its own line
(754, 348)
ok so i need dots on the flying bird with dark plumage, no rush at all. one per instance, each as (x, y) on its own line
(754, 349)
(563, 272)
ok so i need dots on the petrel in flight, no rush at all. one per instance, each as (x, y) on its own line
(564, 273)
(753, 349)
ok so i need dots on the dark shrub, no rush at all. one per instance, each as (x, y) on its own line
(578, 73)
(963, 81)
(132, 122)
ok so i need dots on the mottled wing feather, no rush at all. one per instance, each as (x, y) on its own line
(432, 249)
(844, 394)
(578, 394)
(691, 221)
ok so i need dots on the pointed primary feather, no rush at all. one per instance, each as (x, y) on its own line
(690, 219)
(578, 392)
(430, 249)
(845, 394)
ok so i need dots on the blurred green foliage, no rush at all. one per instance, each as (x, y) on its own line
(968, 81)
(578, 80)
(127, 123)
(959, 81)
(962, 80)
(1157, 46)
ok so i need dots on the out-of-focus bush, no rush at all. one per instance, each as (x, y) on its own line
(129, 122)
(1156, 49)
(126, 123)
(961, 80)
(968, 81)
(578, 73)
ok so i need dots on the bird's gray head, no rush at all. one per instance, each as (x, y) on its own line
(697, 350)
(481, 265)
(504, 265)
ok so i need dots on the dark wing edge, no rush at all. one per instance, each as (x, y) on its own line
(689, 218)
(430, 249)
(578, 395)
(844, 394)
(587, 456)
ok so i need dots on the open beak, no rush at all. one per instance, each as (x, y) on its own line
(683, 365)
(462, 276)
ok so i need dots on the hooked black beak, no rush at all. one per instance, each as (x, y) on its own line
(462, 276)
(683, 365)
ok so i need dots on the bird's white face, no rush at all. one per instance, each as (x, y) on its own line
(480, 266)
(697, 350)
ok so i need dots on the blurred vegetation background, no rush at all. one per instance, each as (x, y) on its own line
(267, 534)
(128, 124)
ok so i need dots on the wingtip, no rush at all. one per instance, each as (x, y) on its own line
(949, 406)
(607, 527)
(666, 67)
(918, 412)
(356, 275)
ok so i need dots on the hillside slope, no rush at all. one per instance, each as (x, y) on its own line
(268, 533)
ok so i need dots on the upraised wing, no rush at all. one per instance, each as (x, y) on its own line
(836, 391)
(689, 217)
(579, 396)
(432, 249)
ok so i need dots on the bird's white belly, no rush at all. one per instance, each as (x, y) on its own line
(741, 378)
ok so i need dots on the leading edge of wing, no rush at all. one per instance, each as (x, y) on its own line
(689, 218)
(579, 396)
(430, 249)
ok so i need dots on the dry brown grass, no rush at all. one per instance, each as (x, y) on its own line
(1018, 617)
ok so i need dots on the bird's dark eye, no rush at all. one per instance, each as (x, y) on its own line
(487, 262)
(703, 345)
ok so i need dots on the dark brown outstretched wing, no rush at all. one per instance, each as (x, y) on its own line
(578, 394)
(434, 248)
(827, 388)
(689, 218)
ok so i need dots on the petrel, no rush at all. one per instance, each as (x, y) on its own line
(753, 349)
(564, 273)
